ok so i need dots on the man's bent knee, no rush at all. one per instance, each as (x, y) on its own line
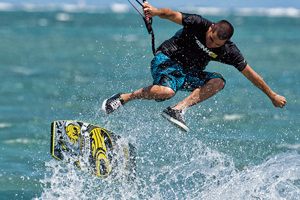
(164, 93)
(219, 83)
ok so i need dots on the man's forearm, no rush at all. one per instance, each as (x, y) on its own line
(164, 13)
(258, 82)
(277, 100)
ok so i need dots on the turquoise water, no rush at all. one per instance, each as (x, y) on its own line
(57, 65)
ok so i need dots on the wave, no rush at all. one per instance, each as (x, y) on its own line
(206, 174)
(276, 178)
(5, 125)
(289, 146)
(269, 12)
(125, 8)
(24, 141)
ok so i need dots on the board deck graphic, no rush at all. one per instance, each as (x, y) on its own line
(92, 149)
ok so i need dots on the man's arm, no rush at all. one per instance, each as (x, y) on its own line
(164, 13)
(277, 100)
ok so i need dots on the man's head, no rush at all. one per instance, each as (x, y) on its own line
(218, 34)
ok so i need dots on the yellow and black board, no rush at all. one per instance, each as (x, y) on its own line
(92, 149)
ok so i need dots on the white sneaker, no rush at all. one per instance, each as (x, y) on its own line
(175, 117)
(112, 104)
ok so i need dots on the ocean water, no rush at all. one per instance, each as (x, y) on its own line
(58, 65)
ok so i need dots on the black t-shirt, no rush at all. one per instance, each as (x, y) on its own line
(188, 46)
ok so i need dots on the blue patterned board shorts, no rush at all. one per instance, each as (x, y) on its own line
(169, 73)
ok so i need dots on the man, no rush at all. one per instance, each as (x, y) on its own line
(179, 63)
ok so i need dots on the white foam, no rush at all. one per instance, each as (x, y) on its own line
(276, 178)
(35, 7)
(270, 12)
(233, 117)
(63, 17)
(289, 146)
(23, 70)
(283, 12)
(124, 8)
(5, 125)
(81, 7)
(119, 8)
(24, 141)
(207, 10)
(6, 6)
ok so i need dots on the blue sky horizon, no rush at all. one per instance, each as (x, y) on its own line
(173, 3)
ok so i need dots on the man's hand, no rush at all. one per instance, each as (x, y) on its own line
(164, 13)
(278, 101)
(150, 9)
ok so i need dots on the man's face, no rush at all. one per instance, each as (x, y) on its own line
(212, 39)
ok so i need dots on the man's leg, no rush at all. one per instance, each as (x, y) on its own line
(151, 92)
(212, 87)
(174, 115)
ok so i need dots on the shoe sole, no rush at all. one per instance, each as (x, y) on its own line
(103, 106)
(175, 122)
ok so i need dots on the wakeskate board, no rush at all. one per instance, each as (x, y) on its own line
(93, 149)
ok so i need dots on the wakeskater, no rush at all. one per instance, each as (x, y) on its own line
(179, 65)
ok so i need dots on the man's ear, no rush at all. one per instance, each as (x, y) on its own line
(211, 27)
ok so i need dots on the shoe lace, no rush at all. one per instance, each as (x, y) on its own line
(115, 103)
(179, 116)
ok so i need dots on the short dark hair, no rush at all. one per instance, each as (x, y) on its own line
(224, 30)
